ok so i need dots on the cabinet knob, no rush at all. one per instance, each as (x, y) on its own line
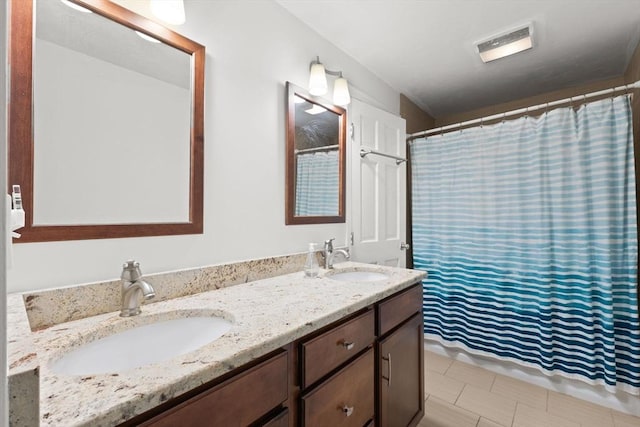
(348, 345)
(348, 410)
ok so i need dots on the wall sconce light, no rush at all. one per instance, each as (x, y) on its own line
(318, 83)
(170, 11)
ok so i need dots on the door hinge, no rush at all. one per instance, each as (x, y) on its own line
(351, 238)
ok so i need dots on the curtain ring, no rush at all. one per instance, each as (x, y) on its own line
(504, 116)
(546, 108)
(481, 122)
(460, 126)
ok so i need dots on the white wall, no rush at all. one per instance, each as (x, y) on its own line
(4, 395)
(253, 47)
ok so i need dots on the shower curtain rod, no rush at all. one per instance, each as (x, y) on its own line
(459, 125)
(313, 150)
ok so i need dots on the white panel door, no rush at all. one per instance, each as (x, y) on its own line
(378, 186)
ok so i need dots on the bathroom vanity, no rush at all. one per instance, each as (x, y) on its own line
(301, 352)
(336, 376)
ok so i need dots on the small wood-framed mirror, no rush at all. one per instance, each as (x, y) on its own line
(106, 122)
(315, 155)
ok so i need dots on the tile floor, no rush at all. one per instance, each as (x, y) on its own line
(462, 395)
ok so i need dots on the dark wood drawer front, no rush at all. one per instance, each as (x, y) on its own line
(344, 400)
(280, 420)
(397, 309)
(326, 352)
(238, 402)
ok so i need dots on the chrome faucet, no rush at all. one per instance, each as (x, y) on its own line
(132, 288)
(329, 253)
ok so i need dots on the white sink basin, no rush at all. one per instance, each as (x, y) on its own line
(358, 276)
(142, 345)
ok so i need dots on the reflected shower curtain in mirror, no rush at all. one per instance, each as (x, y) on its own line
(527, 229)
(317, 183)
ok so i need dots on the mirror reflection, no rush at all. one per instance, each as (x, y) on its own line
(315, 159)
(106, 122)
(111, 121)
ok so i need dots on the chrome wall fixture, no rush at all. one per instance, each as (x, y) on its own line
(364, 152)
(318, 83)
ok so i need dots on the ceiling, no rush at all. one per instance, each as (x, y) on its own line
(425, 49)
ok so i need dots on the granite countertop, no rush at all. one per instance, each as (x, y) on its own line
(21, 355)
(266, 314)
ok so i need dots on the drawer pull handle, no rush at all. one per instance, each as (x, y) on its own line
(348, 345)
(348, 410)
(388, 378)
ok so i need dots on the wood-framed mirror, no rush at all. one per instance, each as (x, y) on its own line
(106, 122)
(315, 159)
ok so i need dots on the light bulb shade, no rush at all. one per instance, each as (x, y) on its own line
(170, 11)
(341, 92)
(317, 80)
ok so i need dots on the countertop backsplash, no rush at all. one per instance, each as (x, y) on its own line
(54, 306)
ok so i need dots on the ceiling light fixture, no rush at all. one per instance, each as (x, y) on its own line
(506, 44)
(318, 83)
(170, 11)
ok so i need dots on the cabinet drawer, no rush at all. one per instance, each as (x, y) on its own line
(322, 354)
(344, 400)
(393, 311)
(280, 420)
(237, 402)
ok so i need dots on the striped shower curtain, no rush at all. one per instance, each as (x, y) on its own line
(528, 231)
(317, 176)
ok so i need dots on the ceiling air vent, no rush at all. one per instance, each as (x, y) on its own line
(507, 44)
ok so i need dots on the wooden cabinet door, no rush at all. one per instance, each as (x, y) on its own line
(400, 375)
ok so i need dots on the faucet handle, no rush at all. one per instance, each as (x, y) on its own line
(130, 263)
(328, 244)
(131, 271)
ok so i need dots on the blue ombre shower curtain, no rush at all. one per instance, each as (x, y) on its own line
(317, 176)
(527, 229)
